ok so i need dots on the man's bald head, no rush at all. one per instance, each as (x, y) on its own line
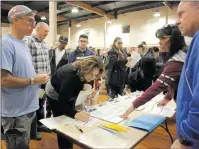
(188, 18)
(41, 25)
(41, 30)
(195, 4)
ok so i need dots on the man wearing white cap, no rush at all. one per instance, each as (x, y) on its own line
(18, 79)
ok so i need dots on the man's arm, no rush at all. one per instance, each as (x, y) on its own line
(9, 81)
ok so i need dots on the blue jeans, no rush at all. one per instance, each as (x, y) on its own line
(17, 130)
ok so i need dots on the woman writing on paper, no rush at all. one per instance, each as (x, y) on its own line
(65, 85)
(173, 42)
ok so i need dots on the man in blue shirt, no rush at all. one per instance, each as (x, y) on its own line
(19, 81)
(81, 50)
(187, 116)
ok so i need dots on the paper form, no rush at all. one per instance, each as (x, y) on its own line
(41, 93)
(109, 112)
(88, 123)
(153, 108)
(135, 58)
(99, 138)
(54, 122)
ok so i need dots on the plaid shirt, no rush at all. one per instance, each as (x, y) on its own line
(39, 51)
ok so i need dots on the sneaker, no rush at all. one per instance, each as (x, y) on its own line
(43, 128)
(37, 137)
(3, 136)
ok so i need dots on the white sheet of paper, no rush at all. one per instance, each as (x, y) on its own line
(135, 58)
(168, 112)
(99, 138)
(109, 112)
(54, 122)
(82, 96)
(41, 93)
(116, 119)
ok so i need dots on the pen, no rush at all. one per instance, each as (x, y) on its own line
(85, 108)
(106, 129)
(79, 129)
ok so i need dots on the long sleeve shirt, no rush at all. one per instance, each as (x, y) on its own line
(39, 51)
(167, 80)
(67, 84)
(187, 114)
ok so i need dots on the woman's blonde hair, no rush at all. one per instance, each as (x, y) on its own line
(87, 64)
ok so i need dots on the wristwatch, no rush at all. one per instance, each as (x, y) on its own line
(183, 141)
(32, 81)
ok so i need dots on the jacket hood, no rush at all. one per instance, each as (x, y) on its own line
(180, 56)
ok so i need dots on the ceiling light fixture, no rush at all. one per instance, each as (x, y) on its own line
(109, 21)
(156, 13)
(43, 17)
(75, 10)
(78, 25)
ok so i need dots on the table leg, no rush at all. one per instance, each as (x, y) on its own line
(167, 129)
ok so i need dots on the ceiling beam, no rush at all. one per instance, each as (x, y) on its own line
(102, 3)
(89, 8)
(27, 2)
(85, 16)
(66, 11)
(168, 5)
(6, 6)
(139, 6)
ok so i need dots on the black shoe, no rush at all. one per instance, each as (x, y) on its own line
(3, 136)
(43, 128)
(48, 115)
(37, 137)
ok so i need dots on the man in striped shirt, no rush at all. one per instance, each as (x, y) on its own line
(39, 51)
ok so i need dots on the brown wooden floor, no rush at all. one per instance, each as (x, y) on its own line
(158, 139)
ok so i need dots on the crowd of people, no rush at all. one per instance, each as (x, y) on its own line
(30, 66)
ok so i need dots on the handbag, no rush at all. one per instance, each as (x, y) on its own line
(137, 75)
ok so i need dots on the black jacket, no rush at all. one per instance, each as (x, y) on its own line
(78, 53)
(52, 56)
(114, 65)
(148, 65)
(67, 84)
(142, 79)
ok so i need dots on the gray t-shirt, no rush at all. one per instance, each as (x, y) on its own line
(17, 60)
(50, 91)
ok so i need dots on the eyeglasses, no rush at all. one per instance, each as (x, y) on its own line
(83, 41)
(29, 21)
(63, 42)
